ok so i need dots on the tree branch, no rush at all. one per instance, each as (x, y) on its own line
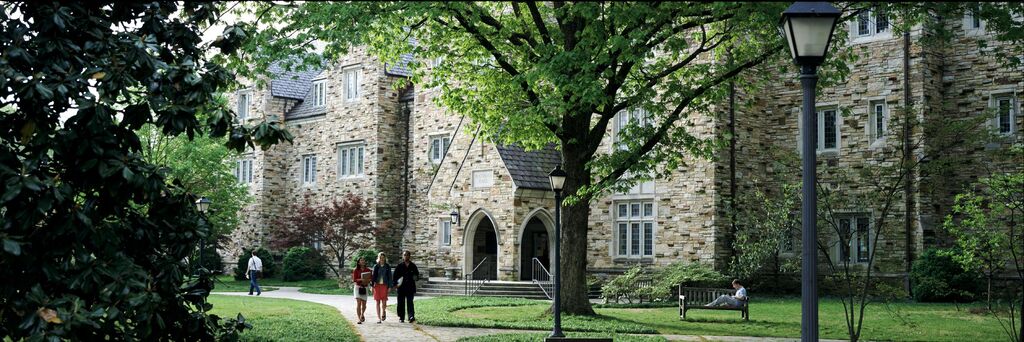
(539, 22)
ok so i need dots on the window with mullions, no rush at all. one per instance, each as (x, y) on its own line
(634, 229)
(828, 130)
(856, 230)
(243, 171)
(1006, 112)
(879, 118)
(309, 169)
(445, 230)
(870, 23)
(350, 159)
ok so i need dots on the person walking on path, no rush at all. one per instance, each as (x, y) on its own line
(252, 272)
(361, 290)
(405, 276)
(381, 282)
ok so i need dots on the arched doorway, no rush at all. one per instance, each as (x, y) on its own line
(535, 244)
(483, 249)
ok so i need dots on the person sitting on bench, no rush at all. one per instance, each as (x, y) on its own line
(734, 300)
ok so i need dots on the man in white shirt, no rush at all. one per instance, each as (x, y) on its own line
(255, 266)
(734, 300)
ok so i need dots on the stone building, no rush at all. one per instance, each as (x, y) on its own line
(417, 163)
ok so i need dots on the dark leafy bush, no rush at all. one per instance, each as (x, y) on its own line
(936, 277)
(369, 254)
(269, 266)
(211, 260)
(302, 263)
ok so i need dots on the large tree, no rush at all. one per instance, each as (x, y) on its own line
(534, 73)
(94, 238)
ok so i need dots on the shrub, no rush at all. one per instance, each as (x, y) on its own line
(623, 285)
(936, 277)
(211, 260)
(664, 281)
(370, 254)
(269, 267)
(302, 263)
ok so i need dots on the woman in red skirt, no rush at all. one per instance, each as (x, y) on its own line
(381, 283)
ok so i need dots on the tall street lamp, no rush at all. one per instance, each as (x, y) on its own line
(557, 178)
(202, 205)
(807, 28)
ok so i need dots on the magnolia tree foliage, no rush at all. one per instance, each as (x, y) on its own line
(94, 237)
(340, 225)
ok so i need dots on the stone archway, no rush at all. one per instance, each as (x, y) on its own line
(481, 246)
(536, 240)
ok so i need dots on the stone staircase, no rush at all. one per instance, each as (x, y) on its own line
(519, 289)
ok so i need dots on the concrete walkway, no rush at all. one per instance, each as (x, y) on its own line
(391, 330)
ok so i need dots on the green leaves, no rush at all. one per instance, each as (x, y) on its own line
(11, 246)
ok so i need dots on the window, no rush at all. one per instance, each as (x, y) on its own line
(856, 231)
(352, 77)
(483, 178)
(350, 159)
(445, 230)
(243, 171)
(625, 119)
(243, 105)
(870, 23)
(309, 169)
(828, 130)
(1005, 107)
(973, 23)
(320, 93)
(438, 147)
(879, 119)
(634, 224)
(318, 243)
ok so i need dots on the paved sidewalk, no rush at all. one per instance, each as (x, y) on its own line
(391, 330)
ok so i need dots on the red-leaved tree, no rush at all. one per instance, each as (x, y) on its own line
(339, 226)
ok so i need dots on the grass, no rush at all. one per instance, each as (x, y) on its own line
(226, 283)
(284, 319)
(533, 337)
(512, 313)
(770, 317)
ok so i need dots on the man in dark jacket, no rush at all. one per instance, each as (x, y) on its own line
(405, 278)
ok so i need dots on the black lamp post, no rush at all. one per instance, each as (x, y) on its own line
(807, 28)
(557, 178)
(202, 205)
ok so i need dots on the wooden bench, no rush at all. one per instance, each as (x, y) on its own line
(692, 298)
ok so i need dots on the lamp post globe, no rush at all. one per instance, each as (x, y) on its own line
(807, 28)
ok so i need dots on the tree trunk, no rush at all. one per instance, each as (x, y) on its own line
(1020, 329)
(573, 265)
(989, 292)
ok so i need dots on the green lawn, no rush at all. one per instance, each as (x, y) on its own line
(534, 337)
(769, 317)
(226, 283)
(284, 319)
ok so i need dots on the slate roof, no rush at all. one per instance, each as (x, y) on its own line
(530, 169)
(401, 68)
(291, 84)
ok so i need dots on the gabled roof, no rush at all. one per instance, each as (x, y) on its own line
(530, 169)
(291, 84)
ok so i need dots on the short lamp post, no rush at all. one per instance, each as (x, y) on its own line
(557, 178)
(807, 28)
(203, 204)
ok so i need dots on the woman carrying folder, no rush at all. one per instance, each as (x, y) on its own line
(361, 279)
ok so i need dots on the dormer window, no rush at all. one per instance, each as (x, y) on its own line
(320, 93)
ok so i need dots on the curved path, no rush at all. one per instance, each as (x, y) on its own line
(388, 331)
(391, 330)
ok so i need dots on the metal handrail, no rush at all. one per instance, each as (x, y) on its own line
(475, 284)
(542, 278)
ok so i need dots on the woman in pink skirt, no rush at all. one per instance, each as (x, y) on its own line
(381, 283)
